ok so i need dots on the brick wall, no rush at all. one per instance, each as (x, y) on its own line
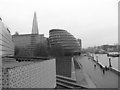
(36, 75)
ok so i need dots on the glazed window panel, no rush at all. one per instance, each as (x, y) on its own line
(5, 34)
(6, 30)
(6, 44)
(7, 48)
(7, 53)
(4, 40)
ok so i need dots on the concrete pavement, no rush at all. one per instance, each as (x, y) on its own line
(80, 75)
(95, 75)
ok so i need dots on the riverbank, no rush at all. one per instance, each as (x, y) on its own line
(104, 60)
(105, 67)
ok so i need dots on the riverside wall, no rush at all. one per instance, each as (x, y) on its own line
(110, 68)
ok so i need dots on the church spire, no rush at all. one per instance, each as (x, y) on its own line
(35, 25)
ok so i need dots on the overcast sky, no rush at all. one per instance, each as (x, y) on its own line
(93, 21)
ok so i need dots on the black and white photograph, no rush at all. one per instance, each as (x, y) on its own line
(59, 44)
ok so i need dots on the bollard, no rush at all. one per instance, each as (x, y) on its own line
(103, 71)
(97, 58)
(110, 63)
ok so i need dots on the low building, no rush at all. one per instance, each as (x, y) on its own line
(28, 42)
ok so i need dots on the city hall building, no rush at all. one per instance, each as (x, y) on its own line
(67, 41)
(64, 44)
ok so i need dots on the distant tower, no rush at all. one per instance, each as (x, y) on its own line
(35, 25)
(33, 36)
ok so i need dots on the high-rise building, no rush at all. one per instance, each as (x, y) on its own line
(27, 42)
(35, 25)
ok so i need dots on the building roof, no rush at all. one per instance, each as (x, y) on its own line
(28, 34)
(52, 30)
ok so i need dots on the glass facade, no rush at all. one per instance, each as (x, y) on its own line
(68, 42)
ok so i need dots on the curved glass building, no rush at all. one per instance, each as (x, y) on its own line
(65, 40)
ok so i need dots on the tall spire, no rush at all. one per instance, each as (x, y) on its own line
(35, 25)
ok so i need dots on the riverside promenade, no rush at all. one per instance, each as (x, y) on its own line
(94, 77)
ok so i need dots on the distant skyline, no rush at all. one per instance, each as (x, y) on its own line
(95, 22)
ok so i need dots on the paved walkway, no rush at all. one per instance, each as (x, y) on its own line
(106, 80)
(80, 76)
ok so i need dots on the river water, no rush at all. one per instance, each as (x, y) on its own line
(104, 60)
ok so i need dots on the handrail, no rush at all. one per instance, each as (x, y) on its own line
(69, 83)
(66, 81)
(63, 85)
(65, 78)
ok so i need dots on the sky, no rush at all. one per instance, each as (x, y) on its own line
(95, 22)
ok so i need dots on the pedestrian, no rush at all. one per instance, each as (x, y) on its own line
(101, 66)
(0, 19)
(95, 66)
(106, 68)
(103, 71)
